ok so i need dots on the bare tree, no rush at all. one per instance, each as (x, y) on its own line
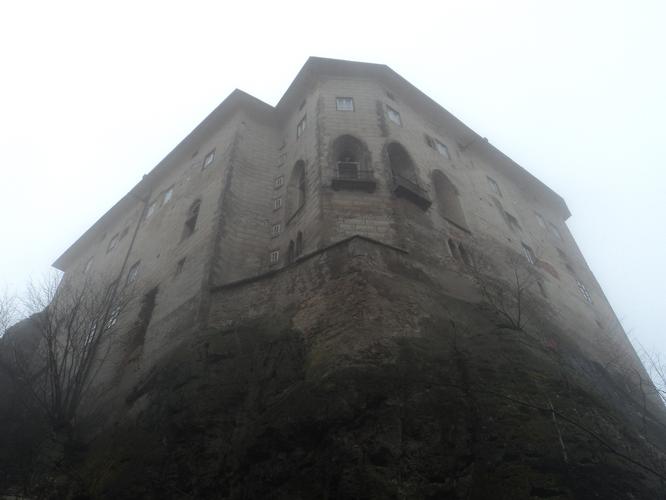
(65, 346)
(507, 295)
(8, 311)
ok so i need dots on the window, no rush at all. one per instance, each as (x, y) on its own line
(542, 288)
(494, 186)
(191, 221)
(464, 255)
(299, 244)
(390, 96)
(344, 104)
(133, 272)
(151, 209)
(540, 220)
(88, 265)
(290, 252)
(448, 201)
(168, 194)
(275, 230)
(438, 146)
(208, 160)
(112, 319)
(393, 115)
(302, 105)
(112, 243)
(124, 233)
(296, 189)
(279, 181)
(277, 203)
(554, 230)
(405, 179)
(275, 256)
(179, 266)
(442, 149)
(300, 128)
(584, 292)
(512, 221)
(529, 254)
(283, 158)
(352, 163)
(453, 249)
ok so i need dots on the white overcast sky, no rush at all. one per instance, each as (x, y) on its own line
(94, 94)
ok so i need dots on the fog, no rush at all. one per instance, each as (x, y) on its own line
(93, 95)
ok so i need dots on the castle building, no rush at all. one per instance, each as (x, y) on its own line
(361, 214)
(351, 149)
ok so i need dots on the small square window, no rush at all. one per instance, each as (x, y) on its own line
(208, 160)
(554, 230)
(344, 104)
(133, 272)
(279, 181)
(277, 203)
(300, 128)
(584, 292)
(393, 115)
(529, 254)
(494, 186)
(275, 256)
(168, 194)
(275, 230)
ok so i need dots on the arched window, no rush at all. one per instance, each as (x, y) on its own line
(448, 201)
(299, 243)
(405, 179)
(290, 252)
(401, 163)
(351, 161)
(296, 189)
(192, 216)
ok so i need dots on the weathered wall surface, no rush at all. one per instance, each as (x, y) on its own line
(357, 374)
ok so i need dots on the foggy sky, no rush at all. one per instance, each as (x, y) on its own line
(93, 95)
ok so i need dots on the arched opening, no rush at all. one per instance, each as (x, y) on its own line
(405, 179)
(448, 201)
(296, 189)
(401, 163)
(299, 243)
(351, 161)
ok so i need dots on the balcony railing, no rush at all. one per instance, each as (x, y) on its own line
(350, 175)
(409, 189)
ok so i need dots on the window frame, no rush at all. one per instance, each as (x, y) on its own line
(274, 257)
(390, 111)
(133, 273)
(339, 100)
(208, 160)
(300, 127)
(494, 186)
(528, 253)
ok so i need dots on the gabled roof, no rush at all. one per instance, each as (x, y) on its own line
(312, 70)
